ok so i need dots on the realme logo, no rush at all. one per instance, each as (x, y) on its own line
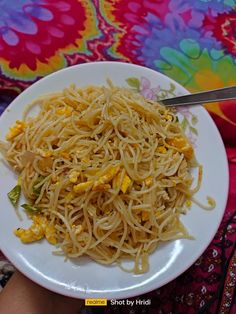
(95, 302)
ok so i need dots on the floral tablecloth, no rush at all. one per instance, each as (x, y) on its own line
(193, 42)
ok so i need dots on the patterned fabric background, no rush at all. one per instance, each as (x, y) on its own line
(193, 42)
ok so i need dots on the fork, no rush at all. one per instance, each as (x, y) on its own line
(227, 93)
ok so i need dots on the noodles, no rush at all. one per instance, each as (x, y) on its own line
(106, 173)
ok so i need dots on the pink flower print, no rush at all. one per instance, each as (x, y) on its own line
(184, 111)
(146, 90)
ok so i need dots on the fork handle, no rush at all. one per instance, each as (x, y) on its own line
(227, 93)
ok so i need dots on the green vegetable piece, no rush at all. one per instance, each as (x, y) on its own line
(29, 208)
(37, 190)
(14, 195)
(133, 82)
(194, 120)
(193, 130)
(184, 123)
(172, 88)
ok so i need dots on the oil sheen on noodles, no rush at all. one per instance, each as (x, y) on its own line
(106, 174)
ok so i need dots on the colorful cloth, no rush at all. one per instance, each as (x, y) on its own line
(193, 42)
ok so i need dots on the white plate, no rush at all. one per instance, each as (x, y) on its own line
(85, 278)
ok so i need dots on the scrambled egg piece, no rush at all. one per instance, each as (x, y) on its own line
(123, 184)
(44, 152)
(64, 111)
(37, 231)
(182, 145)
(158, 214)
(45, 163)
(101, 183)
(82, 187)
(65, 155)
(15, 130)
(126, 183)
(168, 117)
(161, 149)
(145, 215)
(148, 181)
(116, 181)
(47, 132)
(50, 234)
(101, 187)
(73, 176)
(70, 207)
(69, 196)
